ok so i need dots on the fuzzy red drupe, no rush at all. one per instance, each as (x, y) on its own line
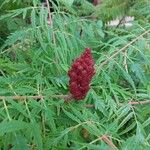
(81, 73)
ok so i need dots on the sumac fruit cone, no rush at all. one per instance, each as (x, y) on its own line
(81, 73)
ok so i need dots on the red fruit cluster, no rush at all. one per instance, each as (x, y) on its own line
(81, 73)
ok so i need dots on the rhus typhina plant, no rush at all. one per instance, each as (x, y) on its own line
(37, 72)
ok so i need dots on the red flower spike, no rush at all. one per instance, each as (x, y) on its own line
(81, 73)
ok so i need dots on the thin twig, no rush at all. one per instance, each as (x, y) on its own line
(120, 21)
(125, 61)
(139, 102)
(21, 97)
(107, 140)
(122, 49)
(89, 105)
(104, 138)
(136, 102)
(50, 22)
(121, 104)
(37, 97)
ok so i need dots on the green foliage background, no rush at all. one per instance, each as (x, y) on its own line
(35, 58)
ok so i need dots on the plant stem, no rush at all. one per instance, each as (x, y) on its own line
(139, 102)
(37, 97)
(67, 98)
(107, 140)
(49, 14)
(50, 21)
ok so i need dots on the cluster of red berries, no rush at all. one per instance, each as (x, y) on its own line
(81, 73)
